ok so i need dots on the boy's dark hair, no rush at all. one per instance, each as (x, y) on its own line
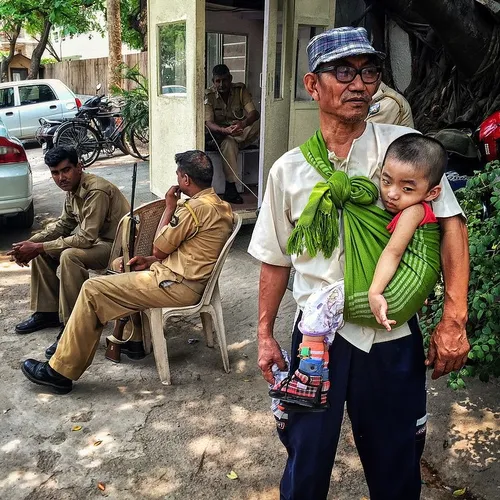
(220, 70)
(423, 152)
(56, 155)
(197, 165)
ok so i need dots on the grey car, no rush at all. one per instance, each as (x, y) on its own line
(23, 103)
(16, 181)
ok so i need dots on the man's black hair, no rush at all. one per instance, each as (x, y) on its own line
(197, 165)
(220, 70)
(56, 155)
(422, 152)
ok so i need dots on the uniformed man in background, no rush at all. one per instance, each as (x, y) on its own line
(389, 106)
(190, 238)
(233, 121)
(81, 239)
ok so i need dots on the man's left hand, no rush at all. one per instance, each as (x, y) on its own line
(448, 347)
(237, 128)
(25, 251)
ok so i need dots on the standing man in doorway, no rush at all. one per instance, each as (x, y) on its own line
(380, 375)
(232, 119)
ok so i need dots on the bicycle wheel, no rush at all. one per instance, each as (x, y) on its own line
(82, 137)
(139, 139)
(123, 143)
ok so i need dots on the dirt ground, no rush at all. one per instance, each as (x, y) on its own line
(122, 429)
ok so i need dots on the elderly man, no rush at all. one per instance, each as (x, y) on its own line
(379, 374)
(185, 251)
(79, 240)
(231, 117)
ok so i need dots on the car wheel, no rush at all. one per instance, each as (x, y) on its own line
(25, 219)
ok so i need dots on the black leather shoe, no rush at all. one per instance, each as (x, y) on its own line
(49, 352)
(134, 350)
(231, 195)
(38, 321)
(42, 374)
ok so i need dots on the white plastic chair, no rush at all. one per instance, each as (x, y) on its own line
(209, 308)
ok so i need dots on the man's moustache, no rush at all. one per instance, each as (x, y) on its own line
(363, 97)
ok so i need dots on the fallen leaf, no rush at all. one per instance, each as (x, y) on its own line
(232, 475)
(76, 428)
(101, 486)
(246, 380)
(97, 443)
(460, 492)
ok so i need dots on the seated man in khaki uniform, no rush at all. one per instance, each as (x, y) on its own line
(79, 240)
(231, 117)
(185, 251)
(389, 106)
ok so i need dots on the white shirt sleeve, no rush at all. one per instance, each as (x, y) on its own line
(446, 205)
(273, 226)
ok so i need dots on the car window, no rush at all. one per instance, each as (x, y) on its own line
(34, 94)
(7, 97)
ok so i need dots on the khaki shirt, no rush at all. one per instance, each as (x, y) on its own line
(89, 215)
(193, 246)
(388, 106)
(289, 186)
(239, 105)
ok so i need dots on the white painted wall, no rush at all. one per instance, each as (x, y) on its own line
(400, 56)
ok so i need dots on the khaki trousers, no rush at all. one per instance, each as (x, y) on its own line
(231, 145)
(50, 293)
(107, 298)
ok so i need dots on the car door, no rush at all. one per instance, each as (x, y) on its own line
(37, 100)
(9, 113)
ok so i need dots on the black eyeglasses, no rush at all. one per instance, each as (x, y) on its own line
(346, 74)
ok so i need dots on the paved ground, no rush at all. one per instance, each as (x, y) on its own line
(146, 441)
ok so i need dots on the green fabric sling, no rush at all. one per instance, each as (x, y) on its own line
(365, 237)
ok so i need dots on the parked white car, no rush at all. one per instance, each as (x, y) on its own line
(24, 102)
(16, 181)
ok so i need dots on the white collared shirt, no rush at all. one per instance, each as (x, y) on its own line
(289, 186)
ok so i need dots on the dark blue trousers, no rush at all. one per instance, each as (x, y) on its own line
(386, 401)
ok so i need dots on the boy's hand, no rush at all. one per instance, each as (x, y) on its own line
(378, 305)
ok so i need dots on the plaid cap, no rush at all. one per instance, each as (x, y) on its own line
(338, 43)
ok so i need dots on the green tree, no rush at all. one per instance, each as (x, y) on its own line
(39, 16)
(134, 18)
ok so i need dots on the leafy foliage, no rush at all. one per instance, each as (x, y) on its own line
(134, 23)
(480, 200)
(136, 108)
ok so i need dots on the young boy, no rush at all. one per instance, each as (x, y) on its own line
(410, 177)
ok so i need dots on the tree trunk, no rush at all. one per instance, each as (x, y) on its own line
(4, 63)
(454, 21)
(455, 60)
(36, 57)
(115, 43)
(143, 23)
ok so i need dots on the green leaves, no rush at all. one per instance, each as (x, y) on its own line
(480, 200)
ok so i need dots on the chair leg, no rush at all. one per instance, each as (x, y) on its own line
(208, 328)
(219, 328)
(146, 333)
(160, 346)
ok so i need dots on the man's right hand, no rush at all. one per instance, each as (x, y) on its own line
(269, 354)
(139, 263)
(172, 196)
